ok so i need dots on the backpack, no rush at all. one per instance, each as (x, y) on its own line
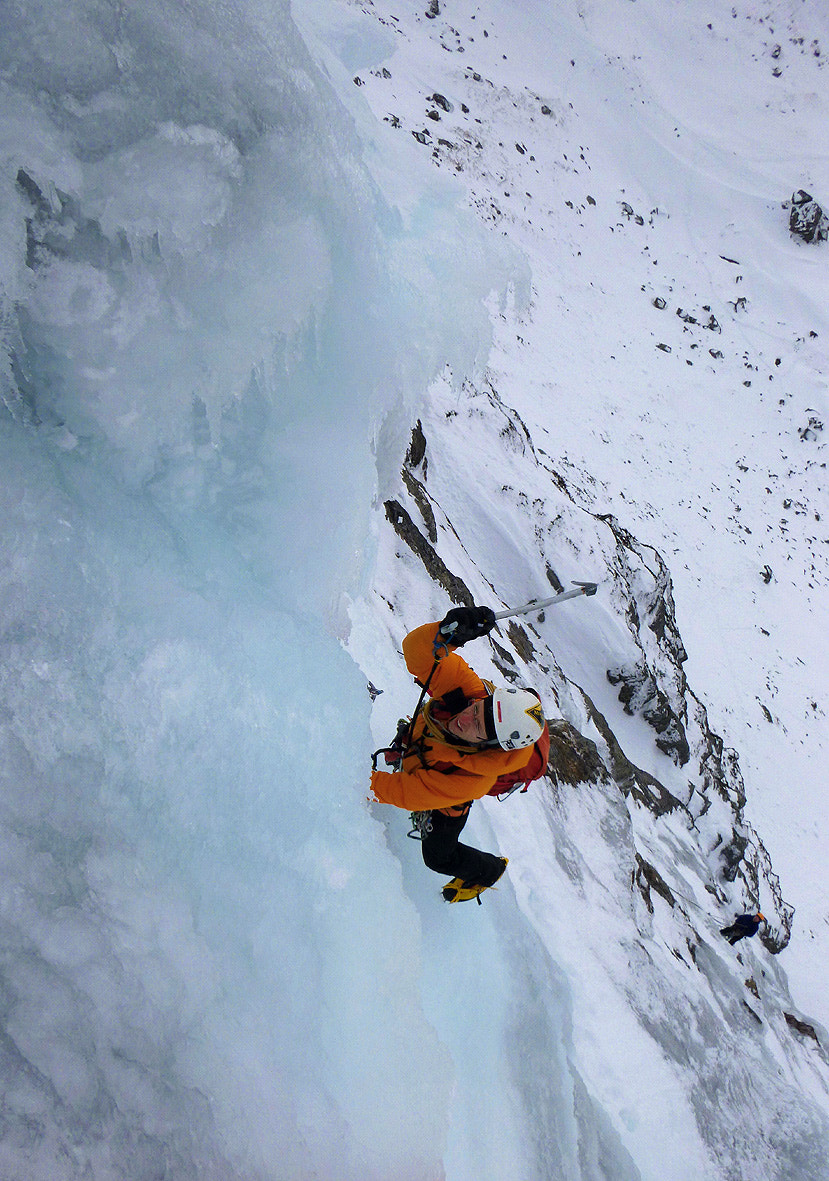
(511, 781)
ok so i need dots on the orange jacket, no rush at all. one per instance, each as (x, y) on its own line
(470, 773)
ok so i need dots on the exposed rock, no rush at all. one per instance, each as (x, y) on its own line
(520, 641)
(504, 661)
(406, 529)
(573, 758)
(630, 779)
(662, 623)
(732, 853)
(806, 218)
(719, 765)
(418, 495)
(415, 457)
(640, 694)
(417, 448)
(759, 876)
(652, 794)
(802, 1027)
(812, 430)
(655, 685)
(657, 603)
(647, 878)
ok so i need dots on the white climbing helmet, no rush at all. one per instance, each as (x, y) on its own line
(517, 718)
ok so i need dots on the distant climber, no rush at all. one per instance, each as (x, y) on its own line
(455, 748)
(743, 927)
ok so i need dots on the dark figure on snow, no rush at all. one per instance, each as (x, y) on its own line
(743, 927)
(464, 739)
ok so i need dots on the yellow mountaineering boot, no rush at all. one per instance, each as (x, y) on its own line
(458, 891)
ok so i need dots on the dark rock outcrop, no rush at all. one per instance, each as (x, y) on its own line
(630, 779)
(439, 572)
(419, 496)
(573, 758)
(640, 694)
(806, 218)
(417, 448)
(802, 1027)
(648, 878)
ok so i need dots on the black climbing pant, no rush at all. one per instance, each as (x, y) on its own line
(443, 853)
(736, 932)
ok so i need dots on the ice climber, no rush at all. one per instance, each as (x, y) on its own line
(457, 745)
(743, 927)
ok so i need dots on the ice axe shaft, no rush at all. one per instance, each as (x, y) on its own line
(582, 588)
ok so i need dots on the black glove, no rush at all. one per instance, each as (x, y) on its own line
(462, 624)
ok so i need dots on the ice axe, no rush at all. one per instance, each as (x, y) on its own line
(582, 588)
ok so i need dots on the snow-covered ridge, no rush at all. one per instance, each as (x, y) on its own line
(642, 591)
(682, 854)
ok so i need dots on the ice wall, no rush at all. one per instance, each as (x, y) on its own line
(208, 969)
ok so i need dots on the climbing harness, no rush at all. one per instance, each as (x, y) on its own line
(421, 825)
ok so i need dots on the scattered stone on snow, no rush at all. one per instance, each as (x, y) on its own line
(811, 431)
(806, 218)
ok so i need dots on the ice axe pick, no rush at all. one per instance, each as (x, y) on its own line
(581, 588)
